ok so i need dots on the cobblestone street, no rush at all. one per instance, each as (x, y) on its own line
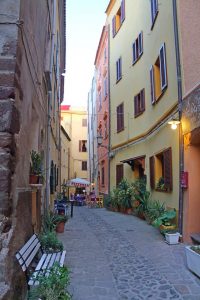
(115, 257)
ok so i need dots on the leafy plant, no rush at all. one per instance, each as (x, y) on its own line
(165, 218)
(50, 220)
(155, 209)
(36, 163)
(50, 242)
(53, 286)
(161, 184)
(140, 195)
(195, 249)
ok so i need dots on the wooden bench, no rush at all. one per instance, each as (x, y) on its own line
(29, 251)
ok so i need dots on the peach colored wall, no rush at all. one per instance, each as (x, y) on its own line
(191, 220)
(189, 28)
(101, 64)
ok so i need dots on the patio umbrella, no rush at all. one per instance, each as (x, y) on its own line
(78, 182)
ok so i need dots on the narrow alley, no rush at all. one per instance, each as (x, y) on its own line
(114, 256)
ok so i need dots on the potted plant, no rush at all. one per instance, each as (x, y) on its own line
(50, 242)
(164, 222)
(172, 237)
(60, 223)
(52, 287)
(35, 167)
(193, 258)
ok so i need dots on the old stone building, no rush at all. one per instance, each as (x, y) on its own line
(32, 59)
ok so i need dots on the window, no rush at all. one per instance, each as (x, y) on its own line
(84, 122)
(82, 146)
(105, 88)
(161, 171)
(120, 117)
(139, 103)
(154, 11)
(100, 101)
(84, 165)
(138, 47)
(119, 173)
(105, 128)
(158, 76)
(118, 19)
(102, 176)
(118, 69)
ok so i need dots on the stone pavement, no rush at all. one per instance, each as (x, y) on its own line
(116, 257)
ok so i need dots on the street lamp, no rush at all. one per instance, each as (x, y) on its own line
(174, 123)
(100, 141)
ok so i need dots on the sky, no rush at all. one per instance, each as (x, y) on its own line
(85, 20)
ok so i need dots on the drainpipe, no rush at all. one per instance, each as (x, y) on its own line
(109, 125)
(48, 156)
(181, 145)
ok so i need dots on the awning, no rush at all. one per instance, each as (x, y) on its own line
(78, 182)
(133, 161)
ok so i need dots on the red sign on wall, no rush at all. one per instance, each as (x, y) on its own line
(184, 180)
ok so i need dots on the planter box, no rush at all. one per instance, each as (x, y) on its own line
(172, 238)
(193, 260)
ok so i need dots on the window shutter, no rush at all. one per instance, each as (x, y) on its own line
(119, 174)
(117, 70)
(135, 106)
(168, 168)
(122, 116)
(152, 172)
(134, 53)
(163, 68)
(140, 43)
(80, 146)
(113, 26)
(120, 68)
(142, 101)
(118, 116)
(152, 85)
(54, 178)
(122, 11)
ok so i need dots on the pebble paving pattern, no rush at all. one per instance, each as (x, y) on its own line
(132, 275)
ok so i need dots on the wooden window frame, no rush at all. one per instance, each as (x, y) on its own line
(137, 48)
(102, 176)
(118, 70)
(120, 117)
(118, 19)
(160, 66)
(119, 173)
(154, 12)
(139, 103)
(84, 165)
(166, 171)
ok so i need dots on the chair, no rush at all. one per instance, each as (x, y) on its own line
(100, 202)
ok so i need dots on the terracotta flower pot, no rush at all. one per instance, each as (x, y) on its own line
(60, 227)
(33, 179)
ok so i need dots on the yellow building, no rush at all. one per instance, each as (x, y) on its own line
(74, 121)
(65, 155)
(55, 83)
(143, 96)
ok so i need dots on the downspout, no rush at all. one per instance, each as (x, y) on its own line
(48, 156)
(109, 109)
(181, 145)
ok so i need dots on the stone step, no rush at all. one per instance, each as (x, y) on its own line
(7, 78)
(7, 92)
(7, 64)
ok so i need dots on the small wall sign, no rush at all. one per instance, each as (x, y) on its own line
(184, 180)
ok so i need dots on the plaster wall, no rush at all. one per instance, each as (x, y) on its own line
(189, 28)
(127, 144)
(72, 119)
(101, 65)
(191, 219)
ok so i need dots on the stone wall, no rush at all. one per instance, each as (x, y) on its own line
(23, 117)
